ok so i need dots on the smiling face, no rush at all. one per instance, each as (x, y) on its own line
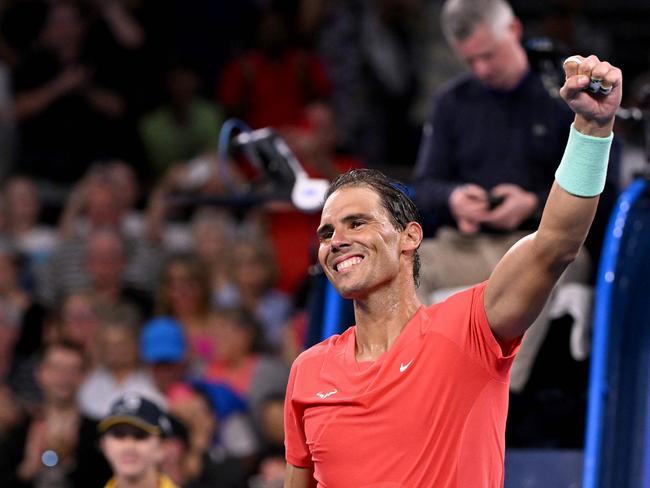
(360, 249)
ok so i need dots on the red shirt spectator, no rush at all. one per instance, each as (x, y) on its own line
(272, 84)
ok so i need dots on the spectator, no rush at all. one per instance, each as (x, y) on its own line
(313, 141)
(164, 348)
(271, 85)
(213, 237)
(373, 51)
(271, 465)
(184, 127)
(184, 294)
(254, 273)
(124, 177)
(240, 362)
(76, 321)
(14, 302)
(118, 371)
(132, 441)
(10, 411)
(216, 447)
(57, 445)
(64, 108)
(105, 265)
(94, 205)
(486, 195)
(79, 323)
(32, 239)
(167, 213)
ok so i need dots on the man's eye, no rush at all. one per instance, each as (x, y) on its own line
(357, 223)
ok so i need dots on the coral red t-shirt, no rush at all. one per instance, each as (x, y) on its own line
(430, 412)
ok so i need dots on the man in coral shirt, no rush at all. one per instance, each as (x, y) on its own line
(417, 397)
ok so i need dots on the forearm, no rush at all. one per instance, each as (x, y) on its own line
(533, 266)
(33, 102)
(573, 200)
(296, 477)
(125, 28)
(563, 229)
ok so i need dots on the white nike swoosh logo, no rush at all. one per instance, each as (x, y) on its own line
(403, 367)
(323, 396)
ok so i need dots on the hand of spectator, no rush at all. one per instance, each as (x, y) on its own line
(158, 205)
(104, 101)
(72, 78)
(34, 447)
(594, 111)
(517, 206)
(122, 23)
(76, 205)
(469, 205)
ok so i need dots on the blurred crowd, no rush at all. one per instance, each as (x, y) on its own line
(114, 277)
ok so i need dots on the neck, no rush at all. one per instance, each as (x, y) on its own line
(22, 227)
(121, 373)
(380, 318)
(192, 319)
(149, 479)
(61, 407)
(108, 291)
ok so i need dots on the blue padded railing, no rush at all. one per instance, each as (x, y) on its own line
(618, 387)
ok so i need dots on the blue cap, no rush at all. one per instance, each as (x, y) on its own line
(163, 340)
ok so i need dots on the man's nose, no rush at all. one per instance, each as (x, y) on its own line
(339, 240)
(481, 69)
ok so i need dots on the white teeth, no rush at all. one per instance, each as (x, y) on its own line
(348, 263)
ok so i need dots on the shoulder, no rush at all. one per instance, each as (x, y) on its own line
(457, 307)
(166, 482)
(316, 354)
(459, 85)
(460, 90)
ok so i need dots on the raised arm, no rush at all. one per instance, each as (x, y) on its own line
(522, 282)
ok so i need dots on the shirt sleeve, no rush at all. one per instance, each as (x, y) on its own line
(462, 319)
(295, 442)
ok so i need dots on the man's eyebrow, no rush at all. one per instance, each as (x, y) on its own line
(357, 216)
(327, 228)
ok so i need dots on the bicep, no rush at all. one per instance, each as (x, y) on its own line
(518, 289)
(296, 477)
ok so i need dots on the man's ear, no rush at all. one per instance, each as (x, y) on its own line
(412, 236)
(516, 28)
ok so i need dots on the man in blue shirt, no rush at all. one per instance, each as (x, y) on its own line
(488, 157)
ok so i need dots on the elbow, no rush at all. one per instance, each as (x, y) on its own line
(557, 253)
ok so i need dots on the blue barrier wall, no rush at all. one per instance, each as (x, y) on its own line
(617, 450)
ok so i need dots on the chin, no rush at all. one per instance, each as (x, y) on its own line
(351, 292)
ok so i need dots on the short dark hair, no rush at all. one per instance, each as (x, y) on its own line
(393, 197)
